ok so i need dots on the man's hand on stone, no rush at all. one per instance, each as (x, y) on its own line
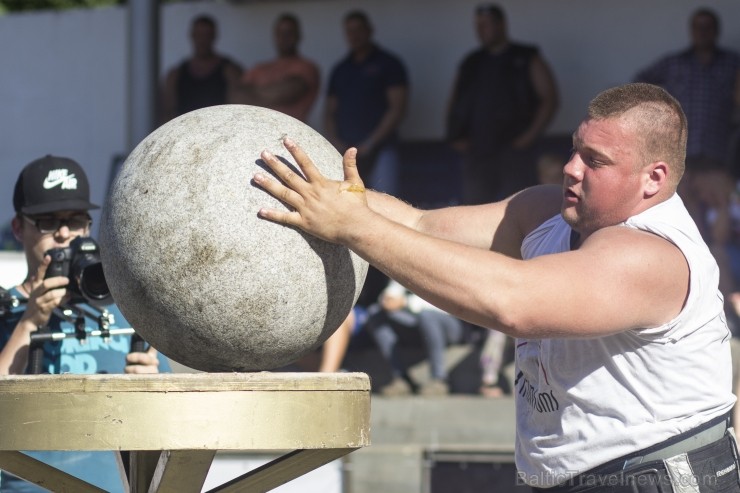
(325, 208)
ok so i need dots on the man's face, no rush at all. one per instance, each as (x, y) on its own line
(703, 32)
(604, 176)
(203, 36)
(286, 37)
(36, 243)
(358, 34)
(491, 31)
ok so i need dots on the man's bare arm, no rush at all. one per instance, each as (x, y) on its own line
(544, 85)
(397, 100)
(499, 226)
(619, 279)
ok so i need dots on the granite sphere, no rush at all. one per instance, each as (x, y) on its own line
(194, 269)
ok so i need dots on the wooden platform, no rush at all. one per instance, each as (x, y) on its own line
(174, 424)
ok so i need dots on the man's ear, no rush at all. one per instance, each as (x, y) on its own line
(656, 176)
(16, 225)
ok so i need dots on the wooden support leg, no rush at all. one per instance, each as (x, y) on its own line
(183, 471)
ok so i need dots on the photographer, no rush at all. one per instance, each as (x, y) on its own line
(51, 201)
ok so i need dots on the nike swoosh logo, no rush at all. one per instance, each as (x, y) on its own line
(52, 183)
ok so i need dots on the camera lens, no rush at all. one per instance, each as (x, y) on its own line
(93, 286)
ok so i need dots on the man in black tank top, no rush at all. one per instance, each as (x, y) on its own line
(503, 98)
(204, 79)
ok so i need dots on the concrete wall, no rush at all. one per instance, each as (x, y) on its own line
(63, 83)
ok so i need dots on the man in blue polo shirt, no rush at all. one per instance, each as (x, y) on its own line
(368, 90)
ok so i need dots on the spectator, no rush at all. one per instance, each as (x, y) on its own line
(365, 104)
(204, 79)
(400, 315)
(503, 97)
(51, 201)
(289, 83)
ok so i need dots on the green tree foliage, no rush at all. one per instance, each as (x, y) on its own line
(21, 5)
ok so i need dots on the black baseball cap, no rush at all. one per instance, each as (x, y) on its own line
(52, 184)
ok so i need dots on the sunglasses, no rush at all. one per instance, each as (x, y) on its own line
(51, 224)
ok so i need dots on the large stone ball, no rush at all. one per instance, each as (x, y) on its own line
(192, 267)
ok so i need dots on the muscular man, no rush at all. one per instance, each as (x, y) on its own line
(623, 360)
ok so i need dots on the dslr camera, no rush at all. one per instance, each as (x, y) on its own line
(80, 262)
(7, 303)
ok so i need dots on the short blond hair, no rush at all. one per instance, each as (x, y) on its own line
(657, 118)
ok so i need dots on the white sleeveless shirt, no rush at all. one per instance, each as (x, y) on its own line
(583, 402)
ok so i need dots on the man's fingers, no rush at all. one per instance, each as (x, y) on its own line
(304, 162)
(41, 271)
(349, 161)
(142, 358)
(282, 217)
(140, 368)
(283, 171)
(56, 296)
(283, 193)
(55, 282)
(278, 190)
(146, 362)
